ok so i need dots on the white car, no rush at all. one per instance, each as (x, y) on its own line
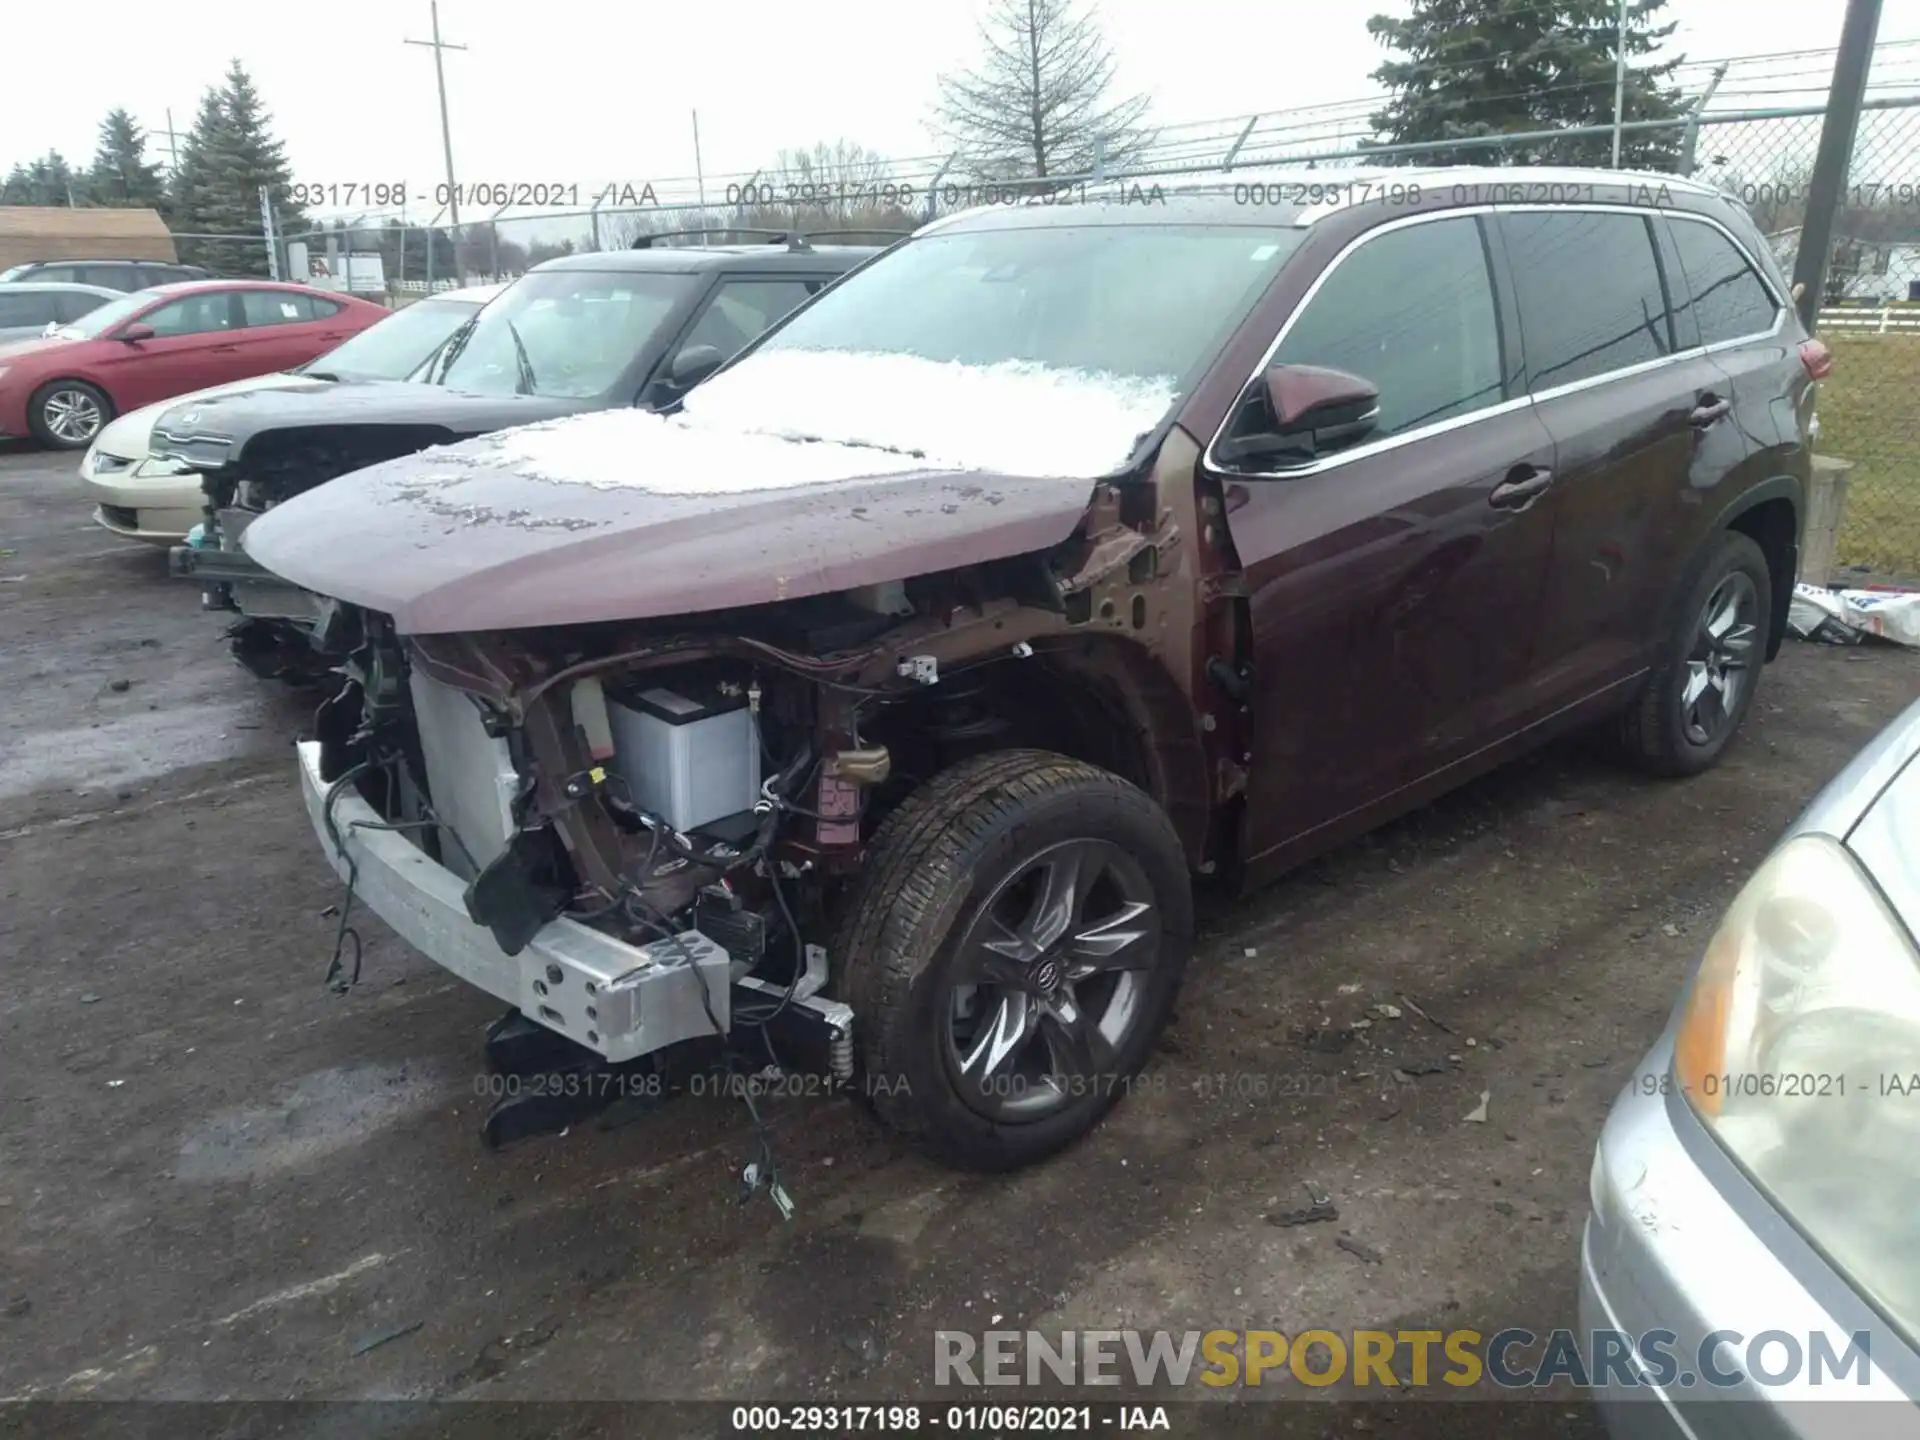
(159, 501)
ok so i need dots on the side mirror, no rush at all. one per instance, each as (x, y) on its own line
(1311, 411)
(132, 334)
(694, 364)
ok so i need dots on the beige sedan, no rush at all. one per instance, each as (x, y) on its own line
(159, 501)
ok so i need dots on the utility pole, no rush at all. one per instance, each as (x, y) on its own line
(1690, 143)
(700, 177)
(1619, 82)
(267, 233)
(437, 45)
(1834, 158)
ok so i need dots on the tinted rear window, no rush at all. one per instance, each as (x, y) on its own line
(1729, 299)
(1590, 295)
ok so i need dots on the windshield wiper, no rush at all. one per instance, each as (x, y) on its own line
(317, 375)
(527, 382)
(451, 350)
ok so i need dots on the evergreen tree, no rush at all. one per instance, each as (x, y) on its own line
(49, 180)
(121, 174)
(190, 187)
(229, 155)
(1490, 67)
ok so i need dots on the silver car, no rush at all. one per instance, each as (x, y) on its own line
(1756, 1189)
(29, 307)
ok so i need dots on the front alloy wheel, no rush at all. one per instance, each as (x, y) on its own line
(1048, 980)
(68, 414)
(1011, 952)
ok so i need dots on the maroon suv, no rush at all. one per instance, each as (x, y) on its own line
(874, 713)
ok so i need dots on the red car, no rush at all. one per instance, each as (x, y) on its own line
(158, 343)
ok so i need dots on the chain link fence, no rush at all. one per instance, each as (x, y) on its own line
(1869, 316)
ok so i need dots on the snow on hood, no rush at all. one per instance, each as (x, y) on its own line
(809, 417)
(1015, 418)
(639, 450)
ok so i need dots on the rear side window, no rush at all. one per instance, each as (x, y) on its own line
(274, 307)
(114, 277)
(1729, 299)
(32, 307)
(1411, 310)
(1590, 295)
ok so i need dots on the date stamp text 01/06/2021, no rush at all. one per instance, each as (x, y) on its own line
(500, 194)
(655, 1084)
(643, 194)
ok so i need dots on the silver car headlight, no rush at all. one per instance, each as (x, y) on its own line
(1799, 1048)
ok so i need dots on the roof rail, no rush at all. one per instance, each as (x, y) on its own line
(859, 230)
(792, 239)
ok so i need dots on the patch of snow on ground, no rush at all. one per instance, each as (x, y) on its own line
(1015, 417)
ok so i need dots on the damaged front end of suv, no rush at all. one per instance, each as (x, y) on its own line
(866, 719)
(652, 835)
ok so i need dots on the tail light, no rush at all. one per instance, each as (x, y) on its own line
(1817, 358)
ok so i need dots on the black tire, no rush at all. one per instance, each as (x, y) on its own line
(1660, 732)
(53, 431)
(966, 841)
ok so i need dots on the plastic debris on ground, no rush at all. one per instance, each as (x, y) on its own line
(1846, 617)
(1321, 1208)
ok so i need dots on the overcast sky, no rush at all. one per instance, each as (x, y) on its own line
(587, 92)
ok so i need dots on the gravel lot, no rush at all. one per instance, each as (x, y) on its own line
(219, 1181)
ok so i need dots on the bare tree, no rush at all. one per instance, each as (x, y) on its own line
(834, 186)
(1037, 104)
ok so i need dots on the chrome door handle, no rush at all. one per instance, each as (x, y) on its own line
(1523, 484)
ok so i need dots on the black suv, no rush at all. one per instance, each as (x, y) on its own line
(113, 274)
(598, 331)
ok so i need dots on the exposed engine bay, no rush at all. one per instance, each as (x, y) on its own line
(697, 796)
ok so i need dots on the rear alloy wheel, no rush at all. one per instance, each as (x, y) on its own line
(68, 414)
(1012, 952)
(1702, 686)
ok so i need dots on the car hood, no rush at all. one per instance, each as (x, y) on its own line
(235, 419)
(130, 436)
(628, 515)
(16, 349)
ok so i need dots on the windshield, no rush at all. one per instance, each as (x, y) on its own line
(1148, 302)
(395, 347)
(96, 323)
(569, 334)
(14, 272)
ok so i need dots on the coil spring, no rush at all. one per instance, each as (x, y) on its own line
(841, 1055)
